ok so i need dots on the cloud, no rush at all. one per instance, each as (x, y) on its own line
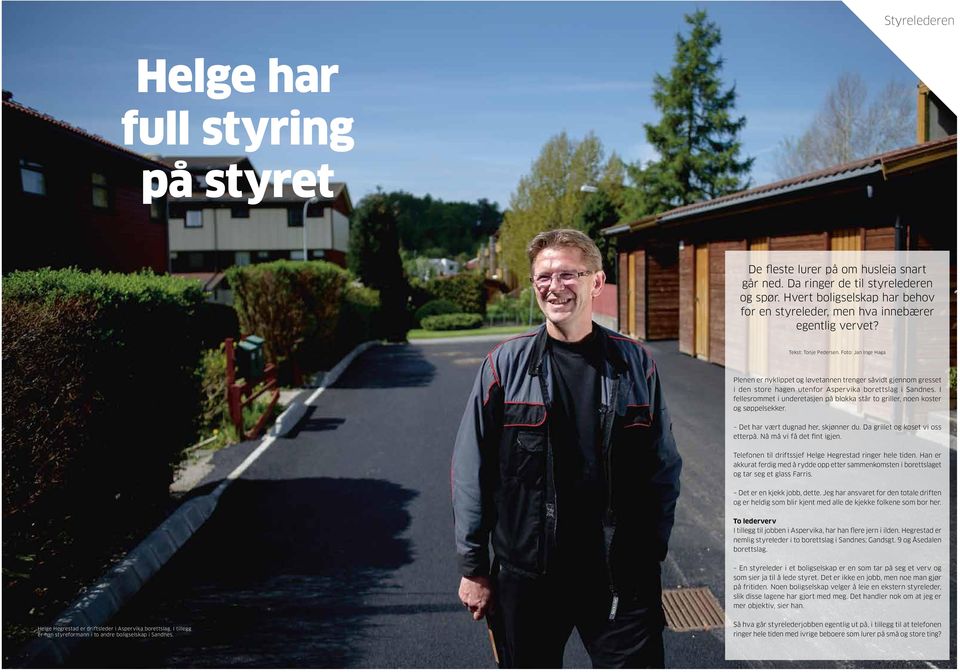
(641, 152)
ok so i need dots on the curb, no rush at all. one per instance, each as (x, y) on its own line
(101, 602)
(287, 420)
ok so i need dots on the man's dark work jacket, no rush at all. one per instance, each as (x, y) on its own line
(502, 474)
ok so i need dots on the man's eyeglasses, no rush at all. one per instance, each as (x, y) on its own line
(544, 280)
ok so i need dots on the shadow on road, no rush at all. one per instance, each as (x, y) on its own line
(276, 578)
(396, 366)
(308, 423)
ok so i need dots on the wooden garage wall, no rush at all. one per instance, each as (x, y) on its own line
(685, 281)
(717, 302)
(639, 329)
(796, 243)
(878, 239)
(622, 293)
(663, 293)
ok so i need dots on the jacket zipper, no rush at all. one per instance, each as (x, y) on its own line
(607, 452)
(549, 511)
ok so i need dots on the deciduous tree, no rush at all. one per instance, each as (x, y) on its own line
(549, 196)
(847, 128)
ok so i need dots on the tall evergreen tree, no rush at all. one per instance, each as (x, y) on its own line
(375, 258)
(696, 137)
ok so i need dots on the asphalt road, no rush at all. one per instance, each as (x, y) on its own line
(335, 548)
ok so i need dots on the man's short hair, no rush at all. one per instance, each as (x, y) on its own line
(566, 238)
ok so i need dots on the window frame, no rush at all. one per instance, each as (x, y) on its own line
(101, 186)
(186, 218)
(294, 214)
(37, 168)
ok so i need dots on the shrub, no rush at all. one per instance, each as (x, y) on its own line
(360, 320)
(291, 304)
(92, 362)
(464, 289)
(216, 322)
(420, 292)
(453, 321)
(435, 307)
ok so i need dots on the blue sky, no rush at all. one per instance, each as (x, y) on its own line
(451, 99)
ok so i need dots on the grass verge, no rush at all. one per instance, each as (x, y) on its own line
(483, 331)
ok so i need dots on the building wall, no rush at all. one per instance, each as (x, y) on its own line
(717, 295)
(663, 292)
(62, 227)
(622, 297)
(685, 301)
(265, 229)
(341, 231)
(639, 289)
(799, 242)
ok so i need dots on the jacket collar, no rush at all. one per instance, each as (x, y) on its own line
(611, 353)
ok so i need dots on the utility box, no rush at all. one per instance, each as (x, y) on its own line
(250, 358)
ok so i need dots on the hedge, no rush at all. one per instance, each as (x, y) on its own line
(435, 307)
(293, 305)
(360, 320)
(453, 321)
(464, 289)
(100, 383)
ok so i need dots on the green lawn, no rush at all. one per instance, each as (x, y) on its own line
(483, 331)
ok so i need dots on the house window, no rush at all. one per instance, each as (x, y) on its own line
(263, 255)
(194, 219)
(32, 179)
(314, 210)
(296, 255)
(157, 206)
(241, 211)
(242, 258)
(195, 260)
(101, 191)
(295, 218)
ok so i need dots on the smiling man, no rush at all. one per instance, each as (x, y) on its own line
(566, 463)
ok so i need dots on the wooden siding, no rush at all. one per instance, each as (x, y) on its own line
(622, 293)
(879, 239)
(846, 240)
(701, 318)
(663, 292)
(640, 294)
(686, 299)
(803, 241)
(716, 292)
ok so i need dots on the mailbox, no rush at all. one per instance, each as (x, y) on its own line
(250, 362)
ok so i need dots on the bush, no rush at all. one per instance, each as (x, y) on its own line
(420, 293)
(93, 362)
(464, 289)
(293, 305)
(216, 322)
(453, 321)
(360, 320)
(435, 307)
(514, 309)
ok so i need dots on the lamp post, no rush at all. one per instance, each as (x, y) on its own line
(307, 204)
